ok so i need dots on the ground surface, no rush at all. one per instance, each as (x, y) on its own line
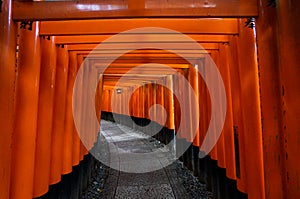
(172, 181)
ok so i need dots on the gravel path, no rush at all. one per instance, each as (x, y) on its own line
(172, 181)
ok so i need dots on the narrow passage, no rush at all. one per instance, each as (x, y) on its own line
(115, 144)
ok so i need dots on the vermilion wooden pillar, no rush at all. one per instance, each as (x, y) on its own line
(193, 79)
(240, 154)
(146, 101)
(221, 155)
(142, 100)
(132, 108)
(130, 101)
(251, 111)
(105, 100)
(110, 92)
(204, 103)
(7, 93)
(58, 129)
(270, 86)
(99, 101)
(115, 103)
(89, 111)
(24, 137)
(228, 124)
(84, 112)
(178, 108)
(67, 161)
(125, 105)
(150, 99)
(176, 104)
(201, 105)
(160, 100)
(210, 80)
(138, 102)
(186, 130)
(120, 100)
(166, 102)
(289, 59)
(77, 103)
(170, 104)
(154, 101)
(45, 117)
(99, 97)
(96, 94)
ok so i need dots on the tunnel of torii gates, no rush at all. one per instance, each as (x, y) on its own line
(254, 44)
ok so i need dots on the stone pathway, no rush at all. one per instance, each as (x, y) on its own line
(129, 153)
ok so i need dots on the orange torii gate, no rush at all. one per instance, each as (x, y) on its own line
(260, 141)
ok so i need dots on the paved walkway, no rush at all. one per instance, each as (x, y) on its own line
(130, 154)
